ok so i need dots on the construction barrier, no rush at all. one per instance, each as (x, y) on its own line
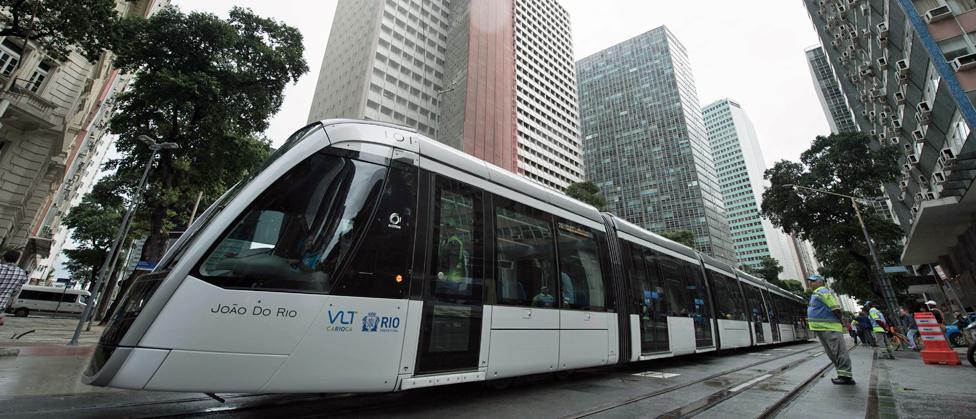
(935, 349)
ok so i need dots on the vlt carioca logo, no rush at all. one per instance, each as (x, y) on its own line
(341, 320)
(374, 323)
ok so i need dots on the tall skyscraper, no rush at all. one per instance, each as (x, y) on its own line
(908, 70)
(644, 141)
(384, 61)
(828, 91)
(495, 79)
(740, 167)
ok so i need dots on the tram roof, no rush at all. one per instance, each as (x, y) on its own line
(457, 159)
(639, 232)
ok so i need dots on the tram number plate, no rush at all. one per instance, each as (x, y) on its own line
(655, 374)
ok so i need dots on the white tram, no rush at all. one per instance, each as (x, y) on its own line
(367, 258)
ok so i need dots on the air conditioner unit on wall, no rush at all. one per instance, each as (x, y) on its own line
(937, 14)
(882, 63)
(918, 136)
(948, 154)
(930, 196)
(899, 98)
(901, 66)
(939, 176)
(964, 62)
(882, 29)
(912, 158)
(896, 123)
(903, 185)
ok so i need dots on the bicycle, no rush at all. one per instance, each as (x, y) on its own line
(899, 341)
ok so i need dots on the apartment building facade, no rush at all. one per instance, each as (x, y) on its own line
(908, 70)
(52, 138)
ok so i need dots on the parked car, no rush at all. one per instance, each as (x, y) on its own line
(33, 299)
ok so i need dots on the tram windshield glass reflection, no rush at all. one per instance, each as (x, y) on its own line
(296, 234)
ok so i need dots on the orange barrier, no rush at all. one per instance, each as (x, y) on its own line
(936, 350)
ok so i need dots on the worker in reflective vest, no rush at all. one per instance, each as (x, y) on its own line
(879, 325)
(826, 320)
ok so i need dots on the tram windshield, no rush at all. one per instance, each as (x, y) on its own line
(296, 233)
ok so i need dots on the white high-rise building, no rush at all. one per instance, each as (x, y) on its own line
(740, 167)
(546, 105)
(384, 61)
(495, 79)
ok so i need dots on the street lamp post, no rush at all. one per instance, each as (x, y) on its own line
(887, 292)
(123, 229)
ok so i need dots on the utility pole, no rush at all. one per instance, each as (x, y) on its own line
(887, 291)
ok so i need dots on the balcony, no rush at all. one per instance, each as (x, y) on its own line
(28, 110)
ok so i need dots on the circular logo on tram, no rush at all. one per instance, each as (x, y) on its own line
(395, 220)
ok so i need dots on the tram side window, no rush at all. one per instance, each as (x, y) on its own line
(298, 233)
(728, 299)
(458, 256)
(676, 287)
(525, 253)
(580, 275)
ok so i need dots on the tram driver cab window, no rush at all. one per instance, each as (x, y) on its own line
(305, 227)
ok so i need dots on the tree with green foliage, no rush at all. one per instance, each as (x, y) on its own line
(93, 223)
(795, 286)
(685, 237)
(768, 269)
(850, 164)
(587, 192)
(58, 26)
(209, 85)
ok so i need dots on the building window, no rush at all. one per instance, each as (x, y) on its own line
(9, 57)
(37, 78)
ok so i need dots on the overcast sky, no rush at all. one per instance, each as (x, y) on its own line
(747, 50)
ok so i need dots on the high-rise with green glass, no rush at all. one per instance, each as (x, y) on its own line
(644, 141)
(740, 167)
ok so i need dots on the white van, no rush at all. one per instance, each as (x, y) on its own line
(49, 300)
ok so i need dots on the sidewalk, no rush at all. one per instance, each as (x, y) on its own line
(44, 330)
(40, 362)
(904, 387)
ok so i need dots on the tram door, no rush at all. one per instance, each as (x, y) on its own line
(771, 316)
(652, 306)
(450, 337)
(701, 305)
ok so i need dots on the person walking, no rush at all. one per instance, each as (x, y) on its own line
(826, 320)
(939, 315)
(879, 325)
(909, 326)
(864, 328)
(12, 278)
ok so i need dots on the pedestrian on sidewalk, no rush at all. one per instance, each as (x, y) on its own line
(939, 315)
(879, 325)
(909, 326)
(864, 328)
(12, 278)
(826, 320)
